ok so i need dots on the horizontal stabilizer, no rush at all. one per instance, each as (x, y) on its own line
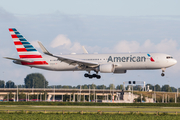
(21, 60)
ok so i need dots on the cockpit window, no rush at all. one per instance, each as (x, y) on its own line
(169, 57)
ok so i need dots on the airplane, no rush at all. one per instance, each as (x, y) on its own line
(103, 63)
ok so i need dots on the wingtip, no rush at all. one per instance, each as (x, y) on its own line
(84, 49)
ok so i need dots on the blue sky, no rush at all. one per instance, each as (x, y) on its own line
(94, 7)
(101, 26)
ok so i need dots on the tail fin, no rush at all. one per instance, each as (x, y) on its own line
(23, 47)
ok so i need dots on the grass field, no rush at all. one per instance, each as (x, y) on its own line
(34, 112)
(87, 117)
(88, 108)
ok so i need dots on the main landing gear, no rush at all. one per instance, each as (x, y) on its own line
(92, 76)
(163, 70)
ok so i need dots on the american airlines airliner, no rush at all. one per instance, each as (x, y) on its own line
(103, 63)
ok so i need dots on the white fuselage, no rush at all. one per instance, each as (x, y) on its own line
(126, 61)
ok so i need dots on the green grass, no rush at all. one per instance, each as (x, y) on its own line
(91, 104)
(32, 112)
(86, 108)
(87, 117)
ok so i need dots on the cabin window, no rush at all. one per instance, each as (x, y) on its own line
(169, 57)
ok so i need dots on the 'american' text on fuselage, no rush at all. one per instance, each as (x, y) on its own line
(127, 59)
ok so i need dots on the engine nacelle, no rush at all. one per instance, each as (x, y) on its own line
(117, 71)
(106, 68)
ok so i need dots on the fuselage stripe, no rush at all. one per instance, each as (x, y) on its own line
(35, 63)
(30, 56)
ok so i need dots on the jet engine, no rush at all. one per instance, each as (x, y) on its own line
(106, 68)
(117, 71)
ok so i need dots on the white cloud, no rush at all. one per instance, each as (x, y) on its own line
(127, 46)
(65, 44)
(167, 46)
(76, 47)
(164, 46)
(60, 40)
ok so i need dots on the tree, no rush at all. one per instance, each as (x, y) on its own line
(101, 87)
(173, 89)
(35, 80)
(111, 86)
(1, 83)
(21, 86)
(66, 87)
(157, 87)
(85, 87)
(92, 86)
(120, 87)
(10, 84)
(166, 88)
(137, 87)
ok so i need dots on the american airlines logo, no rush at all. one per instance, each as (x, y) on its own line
(127, 59)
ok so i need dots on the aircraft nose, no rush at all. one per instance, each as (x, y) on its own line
(174, 61)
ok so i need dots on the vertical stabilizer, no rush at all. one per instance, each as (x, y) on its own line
(27, 53)
(23, 47)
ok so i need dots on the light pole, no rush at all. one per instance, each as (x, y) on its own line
(89, 93)
(44, 84)
(80, 94)
(132, 93)
(33, 86)
(94, 92)
(54, 94)
(103, 91)
(154, 93)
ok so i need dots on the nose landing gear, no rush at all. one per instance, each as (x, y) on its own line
(162, 74)
(163, 70)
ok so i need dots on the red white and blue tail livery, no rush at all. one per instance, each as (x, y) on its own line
(103, 63)
(25, 50)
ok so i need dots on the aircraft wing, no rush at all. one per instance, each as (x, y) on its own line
(70, 61)
(21, 60)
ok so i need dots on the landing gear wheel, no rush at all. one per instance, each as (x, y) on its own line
(90, 76)
(86, 75)
(162, 74)
(94, 75)
(98, 76)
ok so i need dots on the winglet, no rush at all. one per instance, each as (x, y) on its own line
(84, 49)
(45, 51)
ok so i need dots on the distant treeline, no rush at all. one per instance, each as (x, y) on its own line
(37, 80)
